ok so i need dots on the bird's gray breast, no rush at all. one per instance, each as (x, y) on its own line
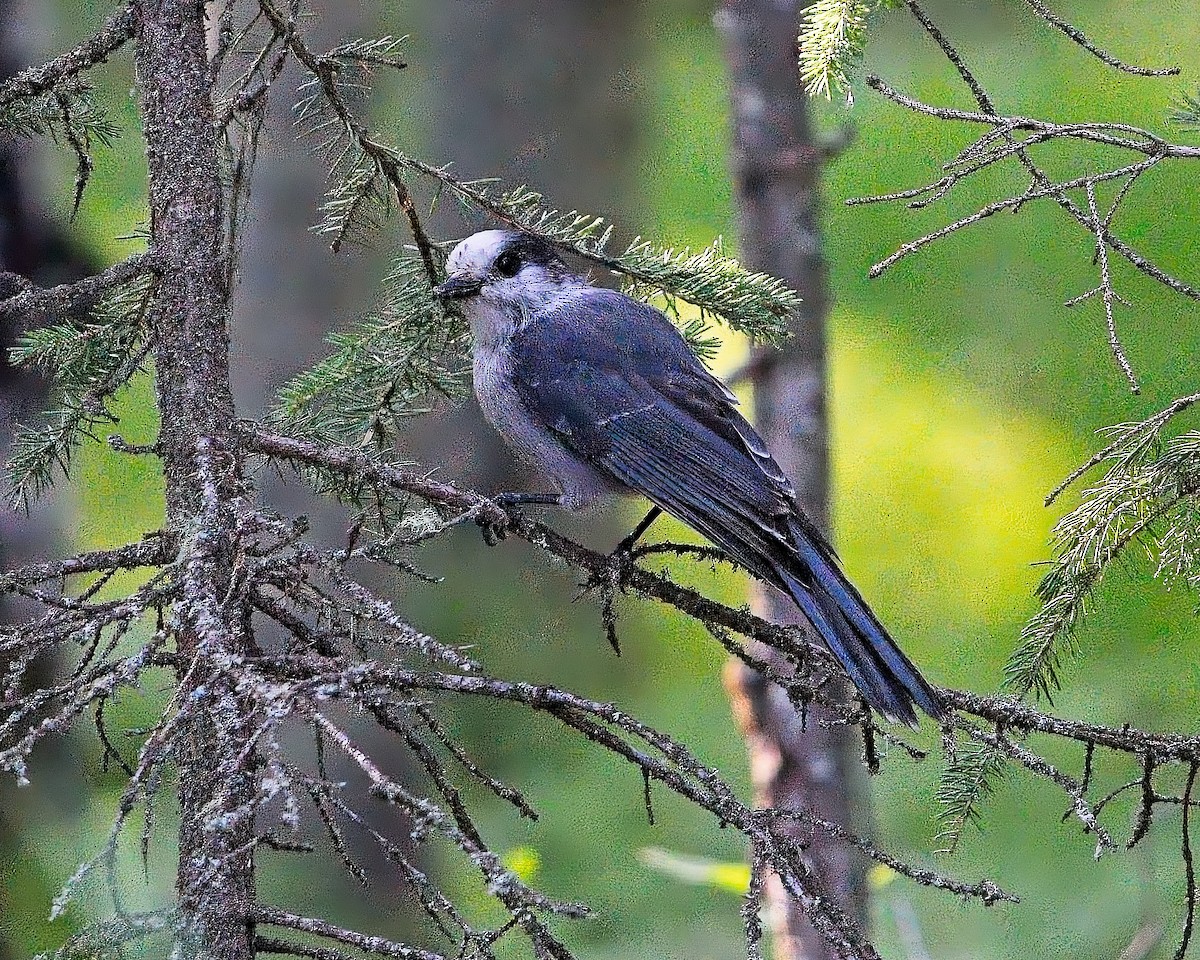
(579, 482)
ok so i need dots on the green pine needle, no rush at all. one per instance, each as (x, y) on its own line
(69, 112)
(87, 364)
(357, 204)
(1147, 497)
(376, 52)
(833, 34)
(971, 777)
(755, 304)
(1187, 111)
(390, 366)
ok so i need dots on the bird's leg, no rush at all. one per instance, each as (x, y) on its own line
(625, 547)
(492, 533)
(608, 577)
(528, 499)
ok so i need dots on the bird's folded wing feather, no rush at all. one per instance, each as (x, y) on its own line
(617, 384)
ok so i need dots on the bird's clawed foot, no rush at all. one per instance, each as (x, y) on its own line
(610, 576)
(494, 532)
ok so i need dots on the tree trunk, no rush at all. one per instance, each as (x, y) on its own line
(776, 164)
(189, 319)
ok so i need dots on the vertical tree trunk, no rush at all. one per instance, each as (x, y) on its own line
(777, 165)
(189, 320)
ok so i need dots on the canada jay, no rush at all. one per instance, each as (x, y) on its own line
(603, 395)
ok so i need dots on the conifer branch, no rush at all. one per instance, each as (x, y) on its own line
(833, 35)
(32, 303)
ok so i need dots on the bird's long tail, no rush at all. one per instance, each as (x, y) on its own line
(882, 673)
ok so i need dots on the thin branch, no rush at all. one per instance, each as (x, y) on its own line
(117, 29)
(1107, 293)
(985, 890)
(36, 301)
(153, 551)
(1079, 37)
(1136, 139)
(678, 769)
(1010, 203)
(380, 946)
(1188, 865)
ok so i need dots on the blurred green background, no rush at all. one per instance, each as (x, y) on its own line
(961, 392)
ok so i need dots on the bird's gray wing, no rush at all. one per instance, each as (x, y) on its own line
(616, 383)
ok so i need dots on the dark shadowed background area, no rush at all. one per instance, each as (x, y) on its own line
(961, 392)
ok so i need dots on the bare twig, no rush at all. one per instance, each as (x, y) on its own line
(1107, 293)
(1136, 139)
(379, 946)
(1079, 37)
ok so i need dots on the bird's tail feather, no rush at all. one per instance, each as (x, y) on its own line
(885, 677)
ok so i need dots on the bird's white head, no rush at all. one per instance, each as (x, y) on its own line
(500, 278)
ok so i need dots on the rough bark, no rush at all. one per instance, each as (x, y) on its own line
(777, 165)
(201, 463)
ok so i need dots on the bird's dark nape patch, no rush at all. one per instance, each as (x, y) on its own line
(532, 249)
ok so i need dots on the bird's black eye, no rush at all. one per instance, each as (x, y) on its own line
(508, 264)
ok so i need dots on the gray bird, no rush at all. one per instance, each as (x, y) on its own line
(602, 394)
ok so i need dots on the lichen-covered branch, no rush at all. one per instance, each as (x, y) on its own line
(28, 303)
(116, 32)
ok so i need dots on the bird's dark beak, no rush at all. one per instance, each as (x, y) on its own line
(458, 286)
